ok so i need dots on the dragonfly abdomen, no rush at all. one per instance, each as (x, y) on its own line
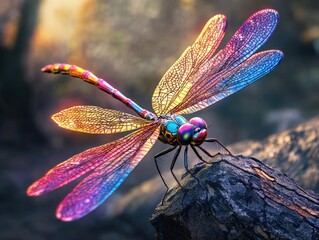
(72, 70)
(89, 77)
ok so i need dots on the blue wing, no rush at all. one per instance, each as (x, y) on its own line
(215, 78)
(232, 81)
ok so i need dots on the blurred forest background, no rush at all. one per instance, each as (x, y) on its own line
(130, 43)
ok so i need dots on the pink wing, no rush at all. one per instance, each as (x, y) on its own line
(109, 165)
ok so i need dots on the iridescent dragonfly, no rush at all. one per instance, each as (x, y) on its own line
(195, 81)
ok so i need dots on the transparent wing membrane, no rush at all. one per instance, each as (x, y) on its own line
(177, 81)
(92, 119)
(230, 82)
(109, 165)
(210, 80)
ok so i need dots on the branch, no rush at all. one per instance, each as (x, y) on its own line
(237, 198)
(295, 152)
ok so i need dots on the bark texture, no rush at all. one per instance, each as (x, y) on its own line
(295, 152)
(237, 198)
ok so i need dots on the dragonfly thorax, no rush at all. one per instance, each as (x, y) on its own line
(176, 130)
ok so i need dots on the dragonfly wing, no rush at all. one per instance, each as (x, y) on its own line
(254, 32)
(247, 40)
(92, 119)
(104, 180)
(232, 81)
(109, 155)
(177, 80)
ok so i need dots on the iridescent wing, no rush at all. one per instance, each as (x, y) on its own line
(229, 82)
(178, 79)
(216, 78)
(109, 165)
(92, 119)
(234, 67)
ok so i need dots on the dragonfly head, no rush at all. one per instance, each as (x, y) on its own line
(194, 132)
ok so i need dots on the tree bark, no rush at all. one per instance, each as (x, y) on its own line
(237, 197)
(295, 152)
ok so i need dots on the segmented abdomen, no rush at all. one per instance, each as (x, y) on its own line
(71, 70)
(89, 77)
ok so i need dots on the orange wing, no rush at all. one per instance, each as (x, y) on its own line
(176, 82)
(96, 120)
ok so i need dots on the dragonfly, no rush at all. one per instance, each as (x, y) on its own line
(198, 79)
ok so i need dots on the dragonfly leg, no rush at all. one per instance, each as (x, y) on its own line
(173, 164)
(198, 155)
(186, 165)
(220, 144)
(158, 170)
(208, 154)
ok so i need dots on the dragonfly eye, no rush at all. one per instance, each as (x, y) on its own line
(198, 122)
(199, 137)
(200, 130)
(185, 133)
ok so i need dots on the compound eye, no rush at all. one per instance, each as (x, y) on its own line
(198, 122)
(200, 130)
(185, 133)
(199, 137)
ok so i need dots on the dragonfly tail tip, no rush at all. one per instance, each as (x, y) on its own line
(47, 68)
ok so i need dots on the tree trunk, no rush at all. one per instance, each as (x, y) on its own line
(15, 93)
